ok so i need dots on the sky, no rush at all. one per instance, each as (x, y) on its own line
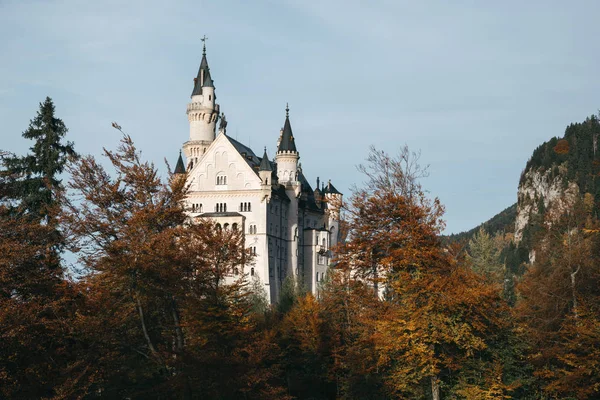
(475, 86)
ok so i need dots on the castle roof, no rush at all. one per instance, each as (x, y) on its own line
(286, 142)
(198, 82)
(265, 164)
(179, 167)
(331, 189)
(208, 82)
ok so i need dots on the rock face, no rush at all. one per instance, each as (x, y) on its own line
(543, 192)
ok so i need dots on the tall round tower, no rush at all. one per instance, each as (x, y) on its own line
(202, 112)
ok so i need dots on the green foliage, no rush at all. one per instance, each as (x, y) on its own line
(483, 254)
(32, 180)
(579, 151)
(503, 222)
(257, 296)
(290, 292)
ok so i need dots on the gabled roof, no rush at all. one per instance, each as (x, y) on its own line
(179, 167)
(247, 153)
(286, 142)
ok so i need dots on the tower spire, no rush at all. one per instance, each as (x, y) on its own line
(204, 45)
(286, 142)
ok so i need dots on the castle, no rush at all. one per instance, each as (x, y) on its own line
(288, 226)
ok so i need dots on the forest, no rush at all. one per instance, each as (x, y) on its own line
(163, 307)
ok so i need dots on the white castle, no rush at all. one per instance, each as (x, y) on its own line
(288, 226)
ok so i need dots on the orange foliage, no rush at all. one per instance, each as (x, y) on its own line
(562, 147)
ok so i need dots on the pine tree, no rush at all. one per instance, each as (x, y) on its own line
(36, 302)
(31, 180)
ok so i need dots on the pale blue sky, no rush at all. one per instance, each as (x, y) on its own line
(475, 85)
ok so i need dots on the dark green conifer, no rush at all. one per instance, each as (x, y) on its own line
(29, 182)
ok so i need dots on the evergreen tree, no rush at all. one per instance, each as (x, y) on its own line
(30, 181)
(36, 303)
(484, 255)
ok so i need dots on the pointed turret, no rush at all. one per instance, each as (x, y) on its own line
(203, 72)
(202, 112)
(265, 171)
(265, 164)
(179, 167)
(286, 141)
(207, 80)
(287, 156)
(331, 189)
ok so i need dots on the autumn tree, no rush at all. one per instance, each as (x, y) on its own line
(558, 305)
(167, 314)
(436, 313)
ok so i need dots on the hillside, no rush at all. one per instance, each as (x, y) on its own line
(503, 222)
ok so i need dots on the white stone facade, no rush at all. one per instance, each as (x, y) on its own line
(288, 226)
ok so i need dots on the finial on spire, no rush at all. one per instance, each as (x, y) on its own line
(287, 110)
(204, 45)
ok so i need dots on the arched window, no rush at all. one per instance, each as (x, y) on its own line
(324, 242)
(249, 207)
(218, 226)
(251, 271)
(225, 207)
(234, 226)
(226, 226)
(199, 209)
(221, 180)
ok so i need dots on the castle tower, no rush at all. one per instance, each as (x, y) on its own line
(287, 174)
(334, 204)
(202, 112)
(287, 156)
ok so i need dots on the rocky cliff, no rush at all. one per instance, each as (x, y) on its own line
(558, 173)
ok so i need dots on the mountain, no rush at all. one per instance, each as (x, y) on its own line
(559, 172)
(503, 222)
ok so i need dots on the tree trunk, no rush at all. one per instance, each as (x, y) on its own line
(145, 331)
(435, 388)
(177, 323)
(573, 291)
